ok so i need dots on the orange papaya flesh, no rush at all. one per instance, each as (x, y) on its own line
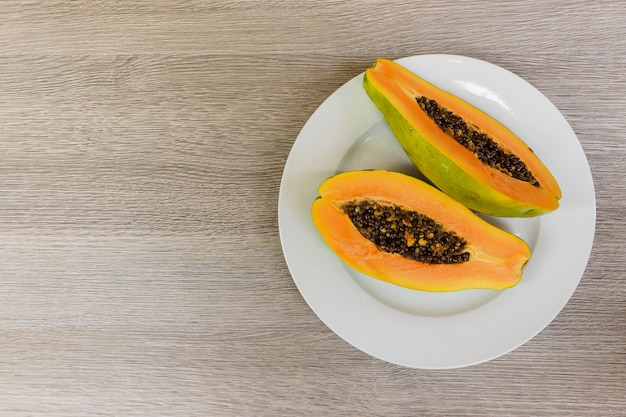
(462, 150)
(465, 251)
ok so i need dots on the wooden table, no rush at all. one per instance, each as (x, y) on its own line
(142, 150)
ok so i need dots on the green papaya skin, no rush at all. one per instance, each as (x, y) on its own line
(440, 169)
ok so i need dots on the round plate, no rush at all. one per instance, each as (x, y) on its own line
(437, 330)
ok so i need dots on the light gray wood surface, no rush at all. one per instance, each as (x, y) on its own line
(142, 149)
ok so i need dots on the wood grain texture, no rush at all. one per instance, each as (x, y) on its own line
(142, 150)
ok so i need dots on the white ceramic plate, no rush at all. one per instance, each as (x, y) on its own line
(437, 330)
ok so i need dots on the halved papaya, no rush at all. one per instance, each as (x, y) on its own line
(399, 229)
(462, 150)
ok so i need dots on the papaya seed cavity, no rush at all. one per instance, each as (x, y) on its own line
(477, 142)
(407, 233)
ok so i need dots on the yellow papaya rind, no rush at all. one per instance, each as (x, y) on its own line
(461, 183)
(497, 257)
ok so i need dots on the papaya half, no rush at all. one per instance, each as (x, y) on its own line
(400, 229)
(462, 150)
